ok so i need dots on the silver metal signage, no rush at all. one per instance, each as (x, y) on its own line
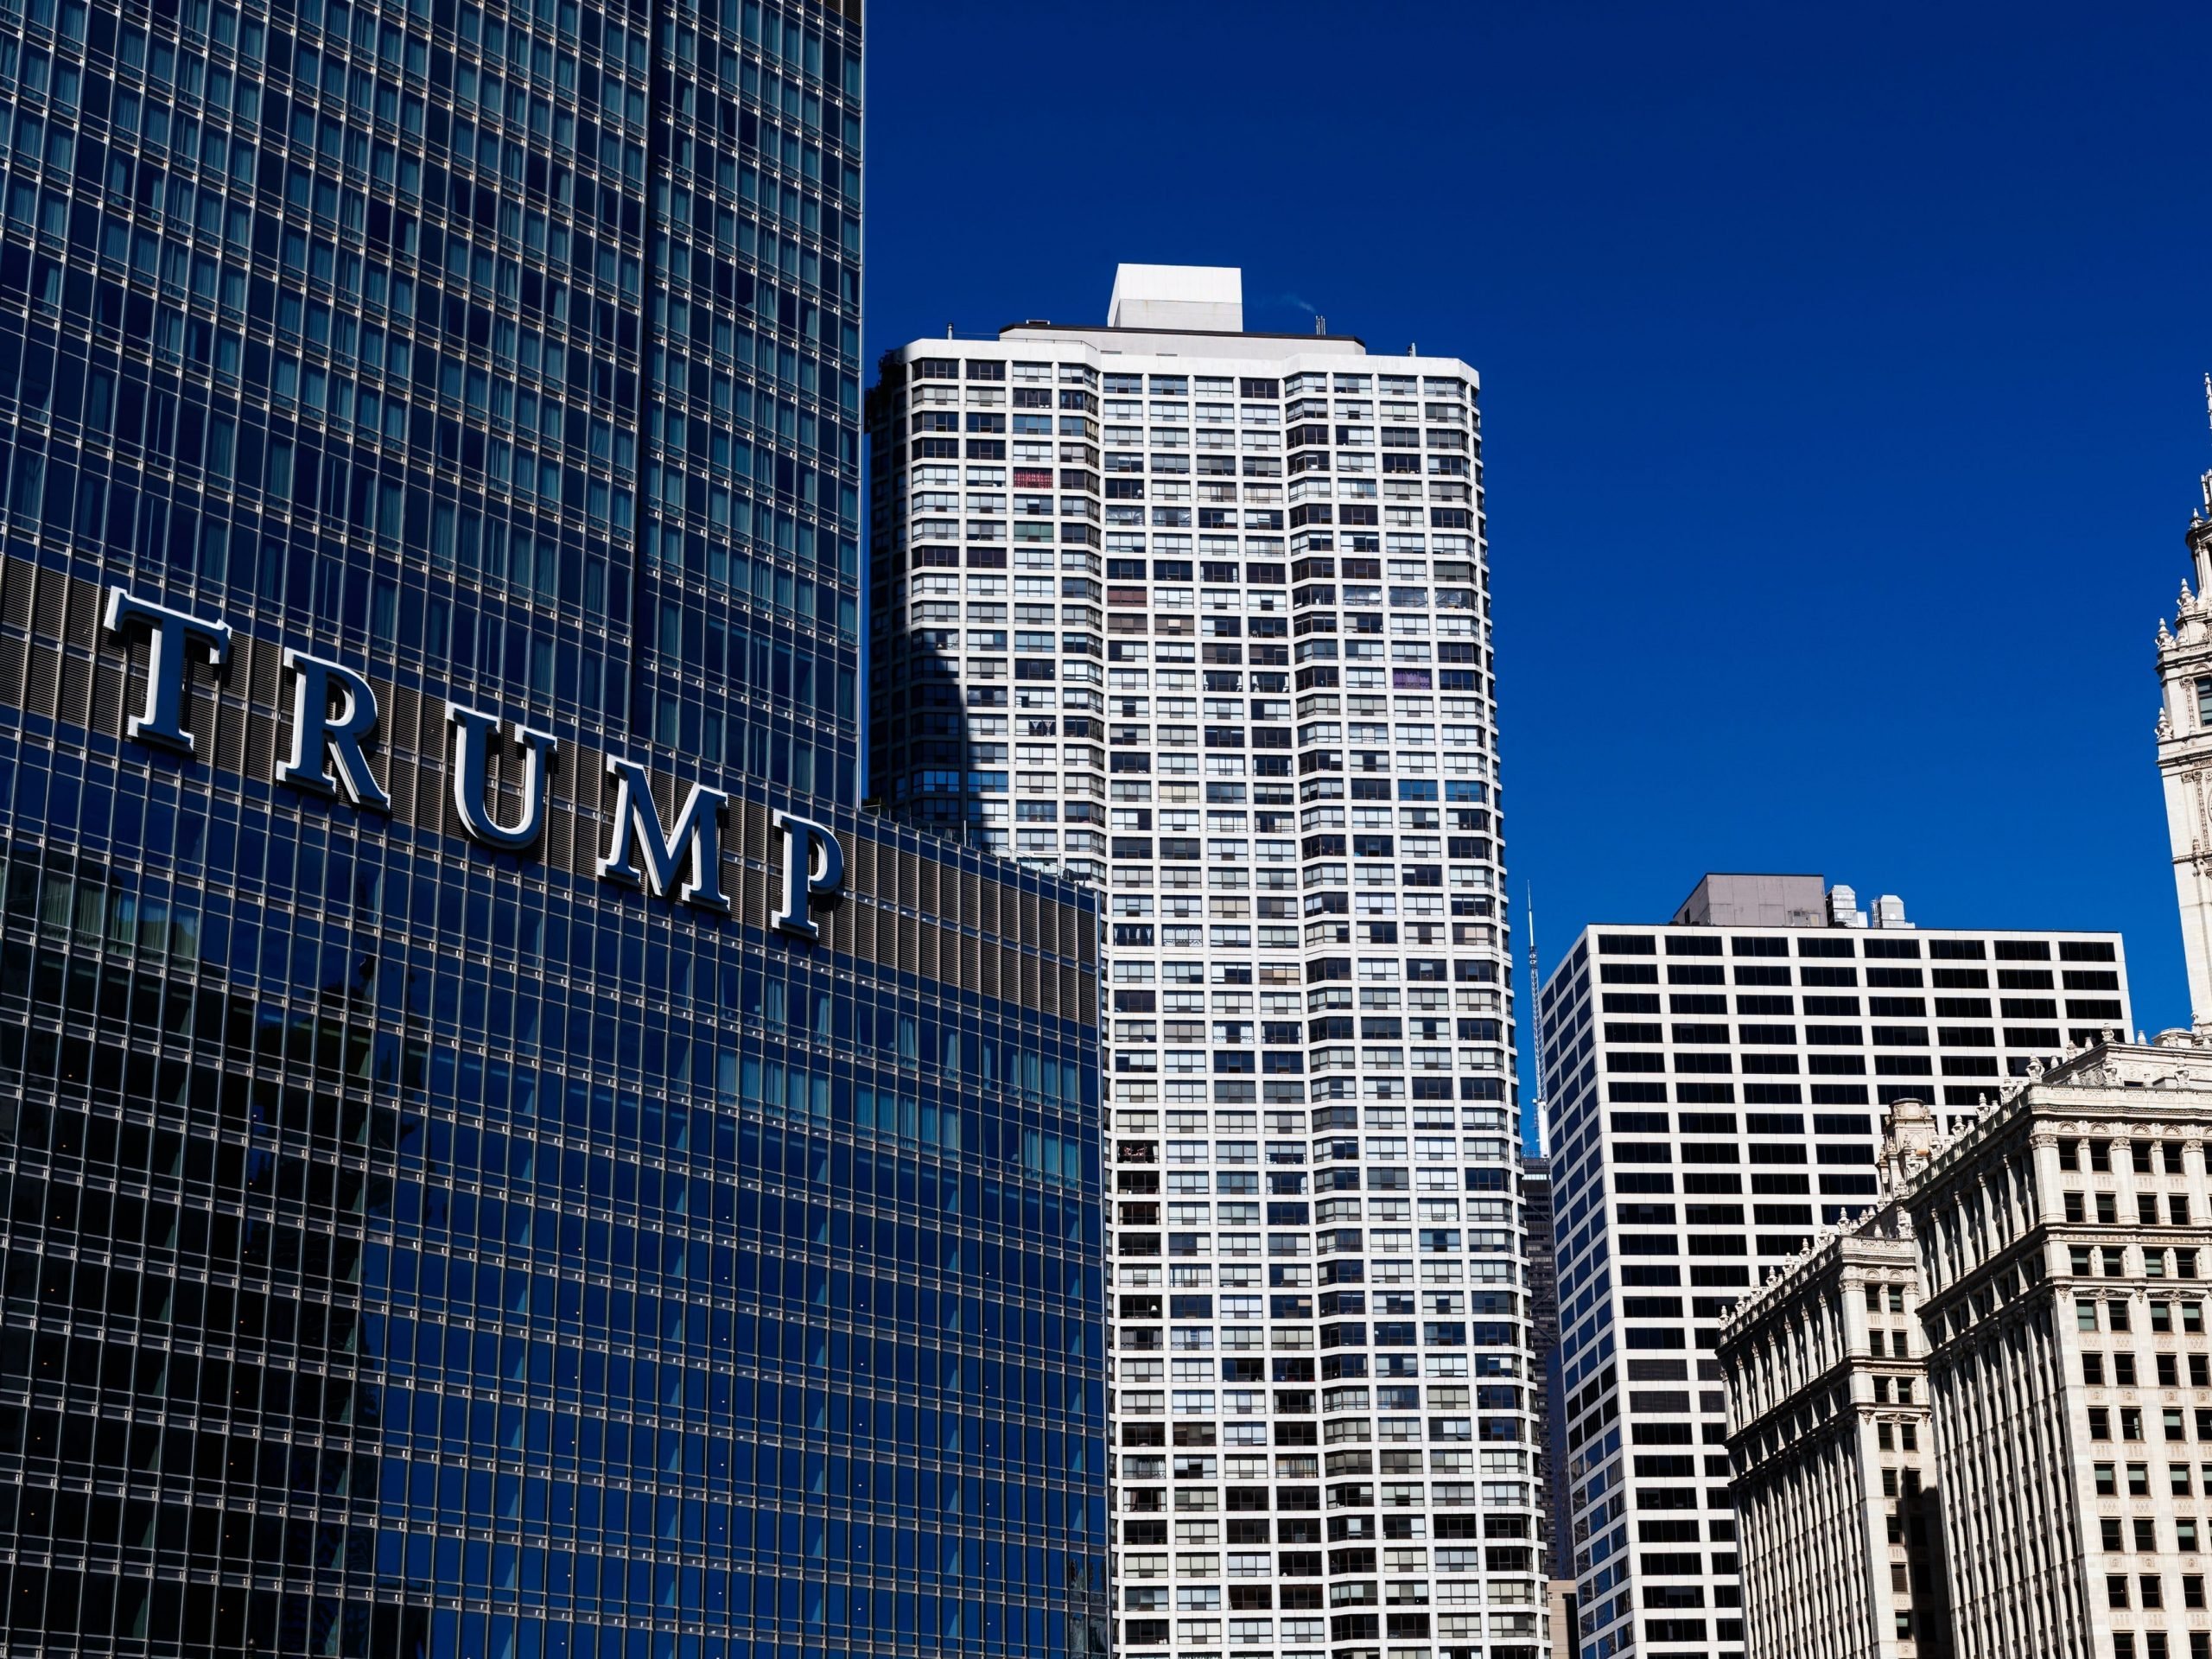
(474, 736)
(334, 718)
(814, 864)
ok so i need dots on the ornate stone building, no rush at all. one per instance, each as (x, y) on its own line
(2049, 1260)
(2185, 754)
(1834, 1457)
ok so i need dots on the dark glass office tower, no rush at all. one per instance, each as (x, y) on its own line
(498, 1160)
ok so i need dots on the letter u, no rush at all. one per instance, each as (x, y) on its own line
(474, 734)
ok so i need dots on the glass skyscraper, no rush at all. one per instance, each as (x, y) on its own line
(500, 1160)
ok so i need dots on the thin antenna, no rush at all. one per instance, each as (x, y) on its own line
(1537, 1031)
(2205, 482)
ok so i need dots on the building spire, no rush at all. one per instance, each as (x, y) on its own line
(2200, 524)
(2205, 482)
(2185, 740)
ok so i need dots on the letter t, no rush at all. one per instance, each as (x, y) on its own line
(175, 633)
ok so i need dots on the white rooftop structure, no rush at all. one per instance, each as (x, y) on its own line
(1206, 297)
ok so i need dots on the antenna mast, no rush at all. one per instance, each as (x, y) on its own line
(2205, 481)
(1536, 1033)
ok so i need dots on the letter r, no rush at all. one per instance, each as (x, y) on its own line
(333, 714)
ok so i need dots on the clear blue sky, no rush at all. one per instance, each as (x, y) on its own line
(1840, 370)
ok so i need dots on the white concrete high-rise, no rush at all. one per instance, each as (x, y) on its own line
(1202, 616)
(1721, 1087)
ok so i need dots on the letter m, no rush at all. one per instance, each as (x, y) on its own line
(695, 843)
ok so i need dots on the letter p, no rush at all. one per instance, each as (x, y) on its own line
(813, 863)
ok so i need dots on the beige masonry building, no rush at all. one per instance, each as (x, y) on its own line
(2045, 1267)
(1833, 1450)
